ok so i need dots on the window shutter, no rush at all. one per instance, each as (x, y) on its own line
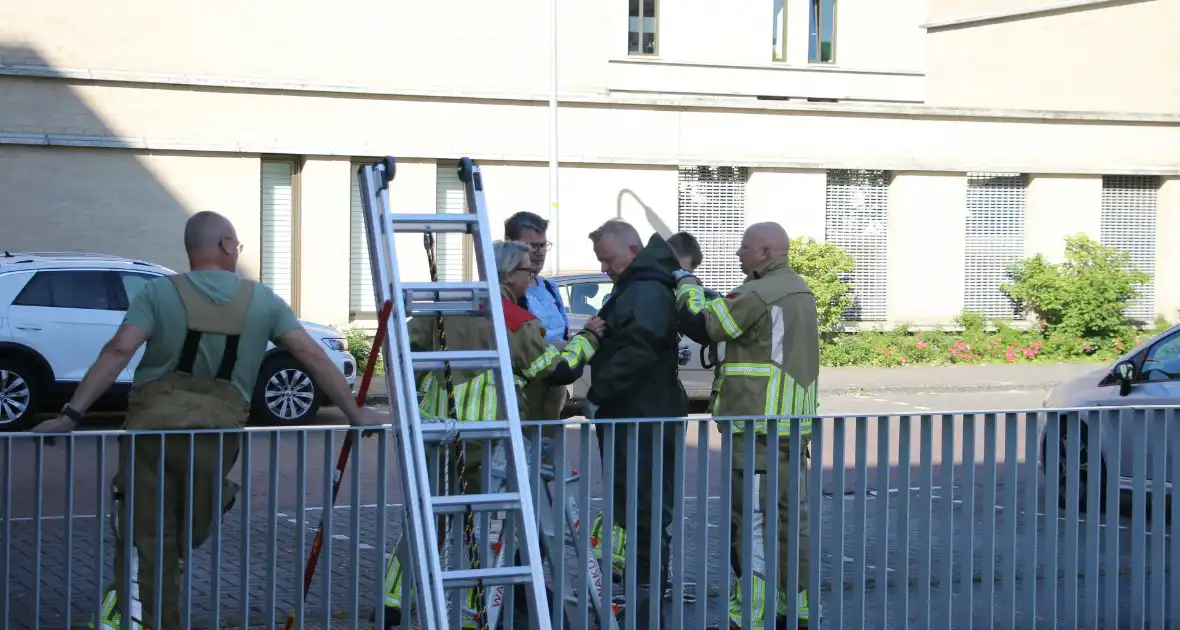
(857, 219)
(1128, 224)
(278, 228)
(995, 240)
(449, 199)
(360, 276)
(712, 207)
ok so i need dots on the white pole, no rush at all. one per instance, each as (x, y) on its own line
(554, 220)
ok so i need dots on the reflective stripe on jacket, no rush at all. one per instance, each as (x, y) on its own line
(771, 334)
(475, 392)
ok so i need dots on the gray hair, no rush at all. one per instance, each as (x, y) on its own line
(510, 256)
(620, 229)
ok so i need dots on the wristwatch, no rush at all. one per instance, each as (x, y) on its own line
(71, 413)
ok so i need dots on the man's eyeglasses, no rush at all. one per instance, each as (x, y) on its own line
(537, 248)
(236, 243)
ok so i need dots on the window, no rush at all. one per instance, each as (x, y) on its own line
(641, 28)
(67, 289)
(821, 46)
(133, 283)
(1162, 362)
(278, 228)
(778, 37)
(712, 207)
(995, 240)
(856, 217)
(1128, 224)
(451, 248)
(585, 298)
(360, 298)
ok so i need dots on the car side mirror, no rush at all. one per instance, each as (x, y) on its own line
(1125, 373)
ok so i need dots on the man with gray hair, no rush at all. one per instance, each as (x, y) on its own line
(635, 375)
(206, 333)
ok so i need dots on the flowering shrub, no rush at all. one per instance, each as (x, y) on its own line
(973, 346)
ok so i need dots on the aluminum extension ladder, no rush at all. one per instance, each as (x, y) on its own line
(412, 435)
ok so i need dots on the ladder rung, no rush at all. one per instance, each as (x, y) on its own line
(458, 503)
(461, 307)
(434, 432)
(459, 359)
(468, 578)
(421, 290)
(462, 222)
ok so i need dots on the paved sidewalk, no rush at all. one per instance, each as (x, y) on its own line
(921, 379)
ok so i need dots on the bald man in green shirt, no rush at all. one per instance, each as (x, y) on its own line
(206, 333)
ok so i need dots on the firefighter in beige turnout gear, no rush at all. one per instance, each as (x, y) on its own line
(206, 333)
(771, 368)
(537, 366)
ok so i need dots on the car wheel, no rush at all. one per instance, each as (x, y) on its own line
(20, 393)
(1083, 470)
(285, 393)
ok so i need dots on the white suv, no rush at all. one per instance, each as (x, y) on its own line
(57, 310)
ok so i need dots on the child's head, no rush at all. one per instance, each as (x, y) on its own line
(687, 250)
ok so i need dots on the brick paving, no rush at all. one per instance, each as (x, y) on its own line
(359, 557)
(279, 458)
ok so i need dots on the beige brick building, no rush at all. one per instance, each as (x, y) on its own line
(937, 142)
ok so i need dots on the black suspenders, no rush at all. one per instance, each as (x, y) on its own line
(188, 354)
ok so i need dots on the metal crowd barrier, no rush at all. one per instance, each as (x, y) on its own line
(927, 521)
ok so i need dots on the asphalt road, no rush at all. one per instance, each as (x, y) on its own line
(976, 542)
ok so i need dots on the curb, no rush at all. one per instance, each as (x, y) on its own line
(854, 390)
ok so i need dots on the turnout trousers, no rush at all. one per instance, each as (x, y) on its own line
(762, 452)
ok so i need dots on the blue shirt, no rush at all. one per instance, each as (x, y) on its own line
(544, 301)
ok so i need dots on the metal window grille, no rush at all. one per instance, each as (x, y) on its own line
(278, 228)
(995, 240)
(360, 276)
(1128, 224)
(712, 207)
(450, 199)
(857, 219)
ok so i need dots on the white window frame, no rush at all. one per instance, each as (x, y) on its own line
(360, 290)
(278, 259)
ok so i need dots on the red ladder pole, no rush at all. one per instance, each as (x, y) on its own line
(345, 451)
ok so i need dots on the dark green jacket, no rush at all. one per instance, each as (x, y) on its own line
(634, 374)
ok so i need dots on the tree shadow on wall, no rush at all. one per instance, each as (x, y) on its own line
(71, 182)
(650, 215)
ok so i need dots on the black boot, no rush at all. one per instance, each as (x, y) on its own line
(780, 623)
(393, 617)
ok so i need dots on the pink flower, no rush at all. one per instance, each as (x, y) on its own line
(921, 345)
(1011, 355)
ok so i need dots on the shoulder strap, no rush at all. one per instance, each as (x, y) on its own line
(204, 315)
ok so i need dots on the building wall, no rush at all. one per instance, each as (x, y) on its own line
(927, 216)
(1099, 56)
(128, 203)
(1058, 206)
(151, 123)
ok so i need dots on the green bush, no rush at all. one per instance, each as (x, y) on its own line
(821, 265)
(1083, 297)
(360, 345)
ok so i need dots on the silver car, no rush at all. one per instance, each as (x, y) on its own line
(1148, 375)
(585, 292)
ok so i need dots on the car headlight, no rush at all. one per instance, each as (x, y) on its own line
(336, 343)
